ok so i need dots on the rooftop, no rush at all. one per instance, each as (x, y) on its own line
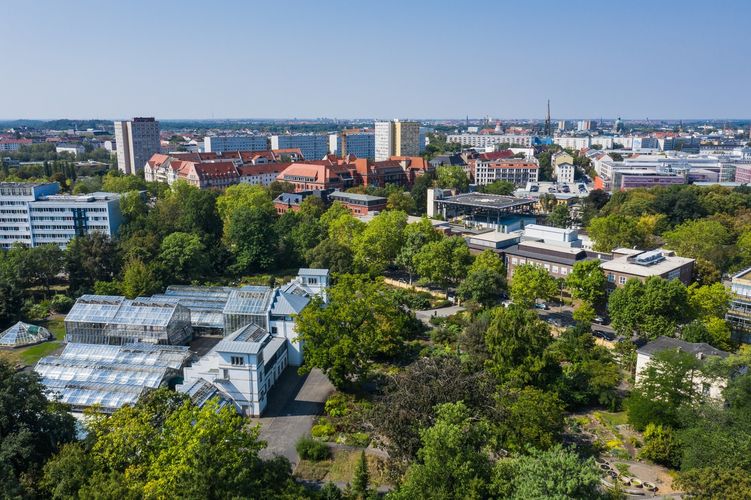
(249, 300)
(663, 343)
(627, 264)
(484, 200)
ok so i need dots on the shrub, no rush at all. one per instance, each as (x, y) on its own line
(61, 303)
(36, 312)
(323, 429)
(338, 405)
(310, 449)
(661, 446)
(358, 439)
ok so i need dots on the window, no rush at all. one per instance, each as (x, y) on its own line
(555, 269)
(225, 374)
(622, 280)
(237, 360)
(564, 271)
(611, 277)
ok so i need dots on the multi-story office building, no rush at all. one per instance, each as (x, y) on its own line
(137, 140)
(628, 263)
(34, 214)
(396, 138)
(360, 143)
(222, 143)
(564, 172)
(313, 147)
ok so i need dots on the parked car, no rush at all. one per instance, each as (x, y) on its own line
(541, 305)
(599, 320)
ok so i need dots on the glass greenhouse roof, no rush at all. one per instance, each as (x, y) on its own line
(107, 309)
(111, 376)
(22, 334)
(252, 300)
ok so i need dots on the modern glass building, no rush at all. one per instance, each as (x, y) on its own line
(22, 334)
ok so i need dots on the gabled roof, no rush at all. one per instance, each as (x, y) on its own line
(696, 348)
(287, 304)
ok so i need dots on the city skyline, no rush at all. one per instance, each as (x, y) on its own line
(406, 60)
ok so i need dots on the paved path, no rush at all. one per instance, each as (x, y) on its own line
(293, 404)
(443, 312)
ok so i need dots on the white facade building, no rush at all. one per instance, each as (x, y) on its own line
(74, 149)
(34, 214)
(519, 172)
(564, 172)
(486, 140)
(137, 140)
(222, 143)
(360, 143)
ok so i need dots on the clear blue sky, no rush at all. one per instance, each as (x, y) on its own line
(375, 58)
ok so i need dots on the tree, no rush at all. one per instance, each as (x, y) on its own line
(452, 178)
(411, 397)
(345, 229)
(243, 196)
(587, 282)
(330, 254)
(505, 188)
(278, 187)
(138, 280)
(88, 259)
(444, 261)
(32, 429)
(704, 238)
(379, 244)
(554, 473)
(614, 231)
(416, 236)
(665, 385)
(650, 308)
(517, 341)
(560, 216)
(716, 483)
(401, 200)
(485, 280)
(361, 478)
(67, 472)
(527, 417)
(420, 191)
(661, 446)
(531, 282)
(114, 182)
(451, 462)
(361, 321)
(251, 239)
(184, 256)
(709, 301)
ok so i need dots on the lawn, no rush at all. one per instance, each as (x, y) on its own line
(30, 355)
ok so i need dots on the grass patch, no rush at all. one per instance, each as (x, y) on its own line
(313, 471)
(623, 469)
(343, 468)
(612, 419)
(30, 355)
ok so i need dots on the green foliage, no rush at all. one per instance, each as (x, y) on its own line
(451, 462)
(250, 238)
(361, 322)
(650, 308)
(705, 238)
(61, 303)
(716, 483)
(452, 178)
(444, 261)
(560, 216)
(505, 188)
(517, 340)
(661, 446)
(528, 417)
(115, 182)
(556, 473)
(665, 386)
(485, 280)
(361, 477)
(380, 242)
(531, 282)
(416, 236)
(31, 430)
(138, 280)
(183, 256)
(310, 449)
(614, 231)
(323, 430)
(401, 200)
(242, 196)
(587, 282)
(89, 259)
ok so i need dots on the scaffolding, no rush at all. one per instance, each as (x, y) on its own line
(114, 320)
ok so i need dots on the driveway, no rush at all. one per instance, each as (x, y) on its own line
(294, 402)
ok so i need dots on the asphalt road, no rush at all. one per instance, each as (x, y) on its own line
(294, 402)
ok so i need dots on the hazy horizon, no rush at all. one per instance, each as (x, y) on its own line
(294, 59)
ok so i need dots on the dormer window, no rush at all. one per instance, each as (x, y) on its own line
(237, 360)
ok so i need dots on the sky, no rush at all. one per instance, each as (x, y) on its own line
(375, 59)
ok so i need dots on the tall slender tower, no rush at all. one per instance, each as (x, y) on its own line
(548, 131)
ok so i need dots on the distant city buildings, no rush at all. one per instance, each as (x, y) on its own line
(137, 140)
(519, 172)
(357, 142)
(396, 138)
(9, 145)
(35, 214)
(313, 146)
(490, 140)
(74, 149)
(222, 143)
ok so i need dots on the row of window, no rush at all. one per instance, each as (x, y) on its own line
(562, 270)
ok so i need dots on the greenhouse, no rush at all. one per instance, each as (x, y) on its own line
(206, 306)
(115, 320)
(248, 305)
(110, 376)
(23, 334)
